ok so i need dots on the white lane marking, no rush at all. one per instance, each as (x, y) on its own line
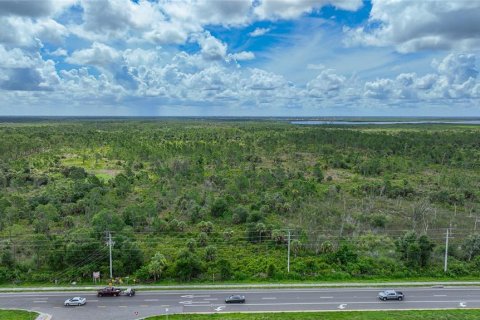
(342, 306)
(186, 302)
(151, 300)
(439, 295)
(211, 299)
(92, 300)
(191, 296)
(220, 308)
(101, 306)
(144, 305)
(326, 297)
(269, 298)
(40, 301)
(462, 304)
(122, 306)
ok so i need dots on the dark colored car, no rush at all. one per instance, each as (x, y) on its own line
(235, 299)
(109, 292)
(391, 295)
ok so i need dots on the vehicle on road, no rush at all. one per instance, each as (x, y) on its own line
(109, 292)
(235, 299)
(129, 292)
(391, 295)
(75, 301)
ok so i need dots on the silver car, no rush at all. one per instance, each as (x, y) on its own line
(75, 301)
(391, 295)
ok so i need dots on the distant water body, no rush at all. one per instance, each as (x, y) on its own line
(327, 122)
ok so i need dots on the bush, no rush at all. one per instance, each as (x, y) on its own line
(219, 208)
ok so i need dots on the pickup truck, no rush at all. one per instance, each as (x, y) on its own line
(391, 295)
(109, 292)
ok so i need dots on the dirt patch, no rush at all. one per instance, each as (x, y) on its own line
(110, 172)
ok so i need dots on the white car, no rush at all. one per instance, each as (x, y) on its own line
(75, 301)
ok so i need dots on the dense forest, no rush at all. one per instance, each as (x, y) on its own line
(217, 200)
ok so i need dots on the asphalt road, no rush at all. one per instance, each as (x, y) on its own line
(147, 303)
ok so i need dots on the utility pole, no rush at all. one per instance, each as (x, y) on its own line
(288, 254)
(110, 244)
(446, 253)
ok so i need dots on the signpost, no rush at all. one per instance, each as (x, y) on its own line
(96, 275)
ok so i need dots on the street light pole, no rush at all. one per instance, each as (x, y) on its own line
(110, 244)
(288, 254)
(446, 253)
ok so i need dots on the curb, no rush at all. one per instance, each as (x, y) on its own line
(44, 316)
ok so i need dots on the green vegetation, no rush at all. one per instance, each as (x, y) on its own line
(344, 315)
(205, 200)
(17, 315)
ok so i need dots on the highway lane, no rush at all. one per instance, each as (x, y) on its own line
(147, 303)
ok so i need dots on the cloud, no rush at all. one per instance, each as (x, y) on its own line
(291, 9)
(99, 55)
(27, 8)
(206, 12)
(259, 32)
(25, 71)
(109, 19)
(458, 68)
(168, 32)
(455, 78)
(420, 25)
(242, 56)
(28, 33)
(210, 47)
(327, 83)
(60, 52)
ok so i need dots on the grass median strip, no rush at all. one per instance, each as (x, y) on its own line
(353, 315)
(17, 315)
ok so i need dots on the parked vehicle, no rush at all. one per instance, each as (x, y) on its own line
(235, 299)
(391, 295)
(109, 292)
(75, 301)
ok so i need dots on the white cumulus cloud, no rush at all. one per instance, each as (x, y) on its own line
(417, 25)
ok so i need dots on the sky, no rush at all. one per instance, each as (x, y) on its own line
(251, 58)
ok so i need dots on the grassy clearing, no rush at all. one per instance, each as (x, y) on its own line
(17, 315)
(354, 315)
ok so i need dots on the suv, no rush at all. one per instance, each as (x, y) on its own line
(391, 295)
(108, 292)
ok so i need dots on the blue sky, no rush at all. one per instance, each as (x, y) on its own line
(239, 57)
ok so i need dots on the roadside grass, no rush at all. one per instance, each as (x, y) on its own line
(17, 315)
(374, 282)
(350, 315)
